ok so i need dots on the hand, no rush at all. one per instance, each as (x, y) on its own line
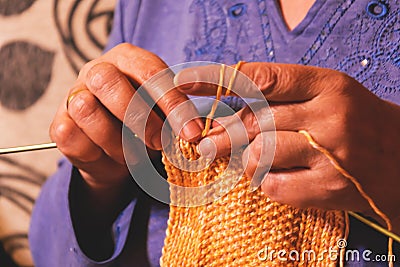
(89, 131)
(357, 127)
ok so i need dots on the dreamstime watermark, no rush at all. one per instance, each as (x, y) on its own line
(333, 254)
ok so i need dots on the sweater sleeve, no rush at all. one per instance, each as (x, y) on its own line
(52, 238)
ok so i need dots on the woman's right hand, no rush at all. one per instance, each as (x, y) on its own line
(89, 131)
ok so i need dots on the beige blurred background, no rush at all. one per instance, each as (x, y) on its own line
(40, 53)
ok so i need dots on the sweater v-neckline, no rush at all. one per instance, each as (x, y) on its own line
(308, 36)
(301, 27)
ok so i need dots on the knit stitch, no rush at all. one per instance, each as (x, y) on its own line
(244, 228)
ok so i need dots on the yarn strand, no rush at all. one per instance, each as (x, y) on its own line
(233, 77)
(210, 116)
(342, 171)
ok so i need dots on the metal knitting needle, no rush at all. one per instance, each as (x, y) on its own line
(375, 226)
(44, 146)
(20, 149)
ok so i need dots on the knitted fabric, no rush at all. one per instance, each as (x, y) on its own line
(244, 228)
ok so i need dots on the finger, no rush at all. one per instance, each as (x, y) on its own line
(290, 116)
(228, 136)
(140, 65)
(82, 152)
(86, 111)
(232, 132)
(254, 118)
(115, 92)
(282, 150)
(70, 139)
(274, 81)
(313, 188)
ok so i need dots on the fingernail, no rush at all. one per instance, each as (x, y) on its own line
(77, 101)
(255, 183)
(200, 123)
(155, 140)
(207, 148)
(166, 139)
(185, 79)
(191, 131)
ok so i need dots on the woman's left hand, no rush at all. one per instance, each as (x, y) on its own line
(359, 129)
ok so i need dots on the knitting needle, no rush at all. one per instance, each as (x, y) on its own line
(375, 226)
(36, 147)
(19, 149)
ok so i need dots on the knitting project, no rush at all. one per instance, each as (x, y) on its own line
(243, 227)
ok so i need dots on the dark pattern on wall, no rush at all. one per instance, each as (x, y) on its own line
(25, 73)
(76, 29)
(27, 175)
(8, 8)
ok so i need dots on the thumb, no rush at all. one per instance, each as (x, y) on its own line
(273, 81)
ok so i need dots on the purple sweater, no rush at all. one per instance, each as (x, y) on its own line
(359, 37)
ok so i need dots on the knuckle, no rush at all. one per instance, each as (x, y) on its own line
(131, 52)
(84, 70)
(338, 80)
(251, 122)
(256, 148)
(260, 154)
(262, 111)
(83, 107)
(61, 133)
(171, 101)
(266, 77)
(149, 72)
(266, 144)
(136, 120)
(103, 77)
(123, 47)
(272, 187)
(122, 51)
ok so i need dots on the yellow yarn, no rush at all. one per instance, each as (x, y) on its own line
(360, 189)
(242, 227)
(246, 228)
